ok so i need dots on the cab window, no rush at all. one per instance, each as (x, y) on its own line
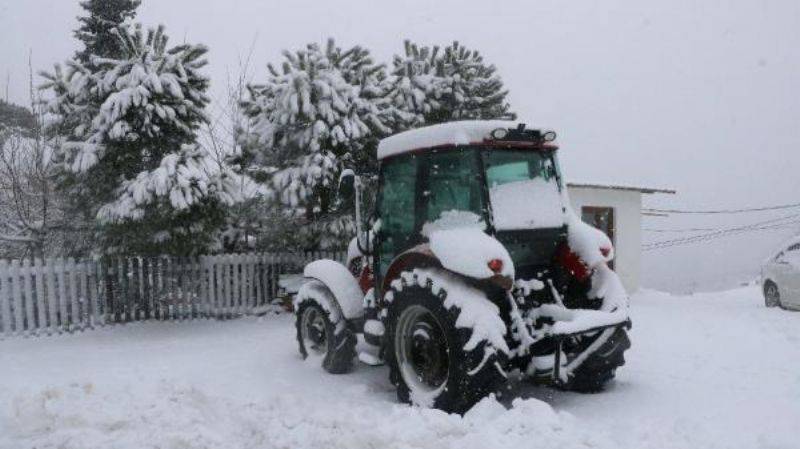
(396, 207)
(452, 183)
(504, 167)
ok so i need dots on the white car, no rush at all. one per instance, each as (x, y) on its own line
(780, 277)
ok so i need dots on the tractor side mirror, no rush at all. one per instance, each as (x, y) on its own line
(350, 192)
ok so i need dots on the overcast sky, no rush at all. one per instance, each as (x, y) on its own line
(698, 96)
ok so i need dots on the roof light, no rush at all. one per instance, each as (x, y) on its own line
(499, 133)
(549, 136)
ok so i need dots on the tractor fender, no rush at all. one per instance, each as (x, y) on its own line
(463, 251)
(467, 251)
(419, 256)
(341, 283)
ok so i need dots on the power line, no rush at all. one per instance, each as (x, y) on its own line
(723, 211)
(703, 239)
(706, 238)
(775, 223)
(682, 230)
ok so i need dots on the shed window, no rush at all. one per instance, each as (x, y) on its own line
(601, 218)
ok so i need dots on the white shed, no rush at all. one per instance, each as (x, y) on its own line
(617, 211)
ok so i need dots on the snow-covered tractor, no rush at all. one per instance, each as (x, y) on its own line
(472, 266)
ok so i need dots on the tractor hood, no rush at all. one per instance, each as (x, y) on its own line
(458, 240)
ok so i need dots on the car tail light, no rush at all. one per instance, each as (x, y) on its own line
(496, 265)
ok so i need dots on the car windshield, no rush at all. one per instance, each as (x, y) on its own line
(524, 189)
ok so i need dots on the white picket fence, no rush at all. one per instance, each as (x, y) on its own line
(63, 295)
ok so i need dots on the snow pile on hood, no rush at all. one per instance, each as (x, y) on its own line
(86, 417)
(530, 204)
(458, 240)
(452, 133)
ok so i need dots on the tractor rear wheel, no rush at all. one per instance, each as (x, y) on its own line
(426, 352)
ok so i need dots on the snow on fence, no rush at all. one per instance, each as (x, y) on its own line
(63, 295)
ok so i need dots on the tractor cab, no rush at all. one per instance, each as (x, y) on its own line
(505, 175)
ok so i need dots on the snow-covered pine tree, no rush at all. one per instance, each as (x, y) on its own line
(474, 90)
(324, 109)
(436, 86)
(129, 126)
(98, 27)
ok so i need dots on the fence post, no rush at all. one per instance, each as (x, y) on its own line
(124, 287)
(102, 295)
(158, 282)
(259, 290)
(5, 306)
(134, 286)
(211, 266)
(147, 265)
(83, 293)
(249, 297)
(73, 295)
(199, 287)
(179, 269)
(91, 292)
(16, 302)
(237, 284)
(225, 280)
(204, 297)
(29, 296)
(40, 298)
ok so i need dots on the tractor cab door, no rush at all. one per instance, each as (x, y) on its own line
(418, 189)
(396, 209)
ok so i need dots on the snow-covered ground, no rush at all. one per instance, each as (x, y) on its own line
(707, 371)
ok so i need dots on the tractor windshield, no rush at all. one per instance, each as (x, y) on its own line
(523, 189)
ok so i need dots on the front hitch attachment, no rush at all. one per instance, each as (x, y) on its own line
(559, 378)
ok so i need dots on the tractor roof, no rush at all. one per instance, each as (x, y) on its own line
(446, 134)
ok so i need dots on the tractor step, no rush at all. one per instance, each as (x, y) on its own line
(369, 359)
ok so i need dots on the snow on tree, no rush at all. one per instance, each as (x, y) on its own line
(31, 221)
(322, 110)
(130, 127)
(98, 27)
(418, 83)
(436, 86)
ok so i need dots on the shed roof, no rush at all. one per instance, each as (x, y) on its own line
(630, 188)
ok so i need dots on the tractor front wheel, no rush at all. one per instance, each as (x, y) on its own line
(322, 337)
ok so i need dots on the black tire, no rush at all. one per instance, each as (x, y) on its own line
(435, 345)
(333, 341)
(772, 296)
(600, 367)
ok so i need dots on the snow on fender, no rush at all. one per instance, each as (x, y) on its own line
(341, 283)
(459, 242)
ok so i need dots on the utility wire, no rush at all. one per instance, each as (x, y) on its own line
(723, 211)
(702, 239)
(682, 230)
(775, 223)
